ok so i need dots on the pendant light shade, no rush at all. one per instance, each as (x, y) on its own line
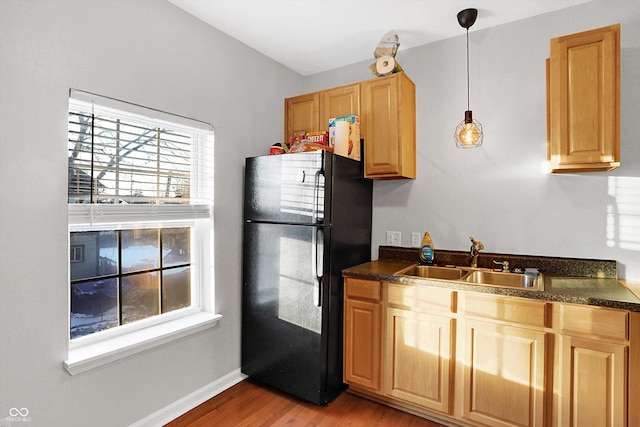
(468, 133)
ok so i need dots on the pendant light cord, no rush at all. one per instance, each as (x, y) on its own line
(468, 69)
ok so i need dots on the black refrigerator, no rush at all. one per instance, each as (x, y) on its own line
(307, 216)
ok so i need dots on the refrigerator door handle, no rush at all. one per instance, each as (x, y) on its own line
(316, 196)
(317, 265)
(316, 190)
(318, 236)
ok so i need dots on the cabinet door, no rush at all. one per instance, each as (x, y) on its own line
(339, 101)
(390, 128)
(591, 383)
(419, 358)
(362, 343)
(501, 375)
(584, 104)
(302, 113)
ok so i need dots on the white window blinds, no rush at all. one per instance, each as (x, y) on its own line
(154, 163)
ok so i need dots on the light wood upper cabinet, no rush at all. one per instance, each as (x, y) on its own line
(583, 101)
(302, 113)
(362, 333)
(339, 101)
(312, 111)
(389, 110)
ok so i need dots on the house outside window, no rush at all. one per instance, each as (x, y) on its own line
(140, 200)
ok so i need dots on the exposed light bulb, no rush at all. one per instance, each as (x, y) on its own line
(468, 133)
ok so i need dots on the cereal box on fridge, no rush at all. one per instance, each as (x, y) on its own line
(344, 136)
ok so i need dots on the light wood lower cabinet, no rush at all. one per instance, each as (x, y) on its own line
(478, 359)
(591, 383)
(592, 367)
(419, 358)
(502, 360)
(362, 333)
(501, 375)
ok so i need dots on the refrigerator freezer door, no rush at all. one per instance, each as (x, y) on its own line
(282, 322)
(286, 189)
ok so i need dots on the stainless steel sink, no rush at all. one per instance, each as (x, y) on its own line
(433, 272)
(506, 280)
(476, 276)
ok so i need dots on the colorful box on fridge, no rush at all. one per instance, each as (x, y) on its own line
(344, 136)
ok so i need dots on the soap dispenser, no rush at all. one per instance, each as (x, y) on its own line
(426, 250)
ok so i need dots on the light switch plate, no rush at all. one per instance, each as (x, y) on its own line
(415, 240)
(393, 238)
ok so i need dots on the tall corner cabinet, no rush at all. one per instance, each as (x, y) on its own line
(583, 101)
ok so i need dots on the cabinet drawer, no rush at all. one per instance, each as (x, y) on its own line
(514, 310)
(597, 321)
(366, 289)
(421, 298)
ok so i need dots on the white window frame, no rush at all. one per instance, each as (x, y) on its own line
(94, 350)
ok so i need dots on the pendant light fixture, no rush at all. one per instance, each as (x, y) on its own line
(468, 133)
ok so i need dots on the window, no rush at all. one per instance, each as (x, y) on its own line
(76, 253)
(128, 275)
(140, 216)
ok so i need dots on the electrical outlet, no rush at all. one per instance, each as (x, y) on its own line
(393, 238)
(415, 240)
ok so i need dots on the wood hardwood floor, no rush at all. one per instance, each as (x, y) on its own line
(248, 404)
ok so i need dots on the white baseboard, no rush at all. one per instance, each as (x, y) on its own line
(187, 403)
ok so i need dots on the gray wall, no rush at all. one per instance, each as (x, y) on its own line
(150, 53)
(163, 58)
(498, 193)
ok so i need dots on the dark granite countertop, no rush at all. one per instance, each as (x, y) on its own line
(577, 281)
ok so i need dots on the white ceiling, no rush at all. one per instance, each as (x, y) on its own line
(310, 36)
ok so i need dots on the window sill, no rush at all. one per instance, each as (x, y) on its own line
(98, 354)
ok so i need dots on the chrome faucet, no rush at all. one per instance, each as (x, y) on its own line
(476, 247)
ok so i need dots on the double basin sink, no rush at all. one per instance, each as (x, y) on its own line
(476, 276)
